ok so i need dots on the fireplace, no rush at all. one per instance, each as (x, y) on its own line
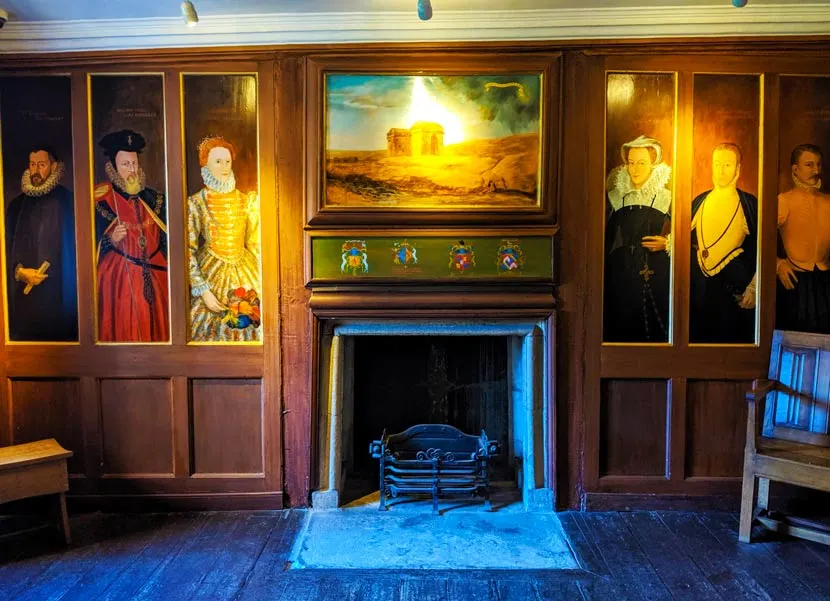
(520, 408)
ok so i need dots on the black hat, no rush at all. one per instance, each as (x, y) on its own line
(126, 140)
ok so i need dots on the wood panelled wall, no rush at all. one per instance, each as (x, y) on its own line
(663, 425)
(217, 426)
(161, 425)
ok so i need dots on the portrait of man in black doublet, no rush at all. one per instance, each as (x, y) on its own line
(724, 254)
(637, 265)
(40, 254)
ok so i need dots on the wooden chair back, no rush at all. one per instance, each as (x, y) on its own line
(797, 408)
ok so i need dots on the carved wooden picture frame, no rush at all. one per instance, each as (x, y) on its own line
(427, 138)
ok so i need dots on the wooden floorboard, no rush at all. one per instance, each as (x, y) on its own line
(630, 568)
(774, 577)
(114, 555)
(664, 551)
(370, 589)
(471, 586)
(266, 579)
(236, 558)
(427, 588)
(803, 563)
(243, 556)
(586, 552)
(729, 578)
(177, 531)
(181, 576)
(47, 560)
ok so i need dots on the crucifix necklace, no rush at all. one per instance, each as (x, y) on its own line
(705, 252)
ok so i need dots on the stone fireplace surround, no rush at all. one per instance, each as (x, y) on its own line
(530, 397)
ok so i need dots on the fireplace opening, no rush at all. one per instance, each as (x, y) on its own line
(494, 374)
(400, 381)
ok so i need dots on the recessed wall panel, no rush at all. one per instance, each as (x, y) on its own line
(633, 427)
(715, 428)
(227, 426)
(49, 408)
(137, 426)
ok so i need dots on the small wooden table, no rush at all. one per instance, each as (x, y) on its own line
(34, 469)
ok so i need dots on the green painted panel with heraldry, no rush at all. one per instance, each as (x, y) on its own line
(431, 257)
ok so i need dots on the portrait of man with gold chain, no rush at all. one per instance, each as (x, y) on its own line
(724, 254)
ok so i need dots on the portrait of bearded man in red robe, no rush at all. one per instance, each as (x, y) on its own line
(131, 230)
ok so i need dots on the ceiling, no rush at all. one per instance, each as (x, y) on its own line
(47, 26)
(56, 10)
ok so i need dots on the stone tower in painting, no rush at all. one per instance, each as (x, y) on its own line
(399, 142)
(422, 139)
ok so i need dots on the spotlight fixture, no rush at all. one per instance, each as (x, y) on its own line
(424, 10)
(189, 13)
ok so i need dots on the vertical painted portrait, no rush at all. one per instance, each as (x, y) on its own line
(223, 230)
(640, 113)
(724, 215)
(803, 262)
(39, 209)
(414, 141)
(128, 148)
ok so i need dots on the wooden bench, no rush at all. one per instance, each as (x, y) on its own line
(35, 469)
(791, 442)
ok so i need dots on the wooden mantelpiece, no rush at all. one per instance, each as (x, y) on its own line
(433, 301)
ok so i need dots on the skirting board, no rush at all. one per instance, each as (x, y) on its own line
(659, 502)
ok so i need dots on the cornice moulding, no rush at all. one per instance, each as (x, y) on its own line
(446, 26)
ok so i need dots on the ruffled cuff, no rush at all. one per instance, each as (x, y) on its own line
(668, 244)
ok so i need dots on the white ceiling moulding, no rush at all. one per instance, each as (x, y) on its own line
(328, 28)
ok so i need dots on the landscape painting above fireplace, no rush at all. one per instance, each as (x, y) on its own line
(429, 141)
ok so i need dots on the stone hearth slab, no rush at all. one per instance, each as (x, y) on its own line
(406, 540)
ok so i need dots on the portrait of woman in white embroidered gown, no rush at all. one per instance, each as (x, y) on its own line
(224, 251)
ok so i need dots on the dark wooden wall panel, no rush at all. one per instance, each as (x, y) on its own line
(227, 426)
(297, 326)
(633, 427)
(715, 428)
(48, 408)
(137, 426)
(612, 400)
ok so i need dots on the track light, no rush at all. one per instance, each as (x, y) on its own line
(189, 13)
(424, 10)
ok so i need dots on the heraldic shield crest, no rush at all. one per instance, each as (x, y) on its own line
(405, 254)
(355, 260)
(462, 257)
(511, 258)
